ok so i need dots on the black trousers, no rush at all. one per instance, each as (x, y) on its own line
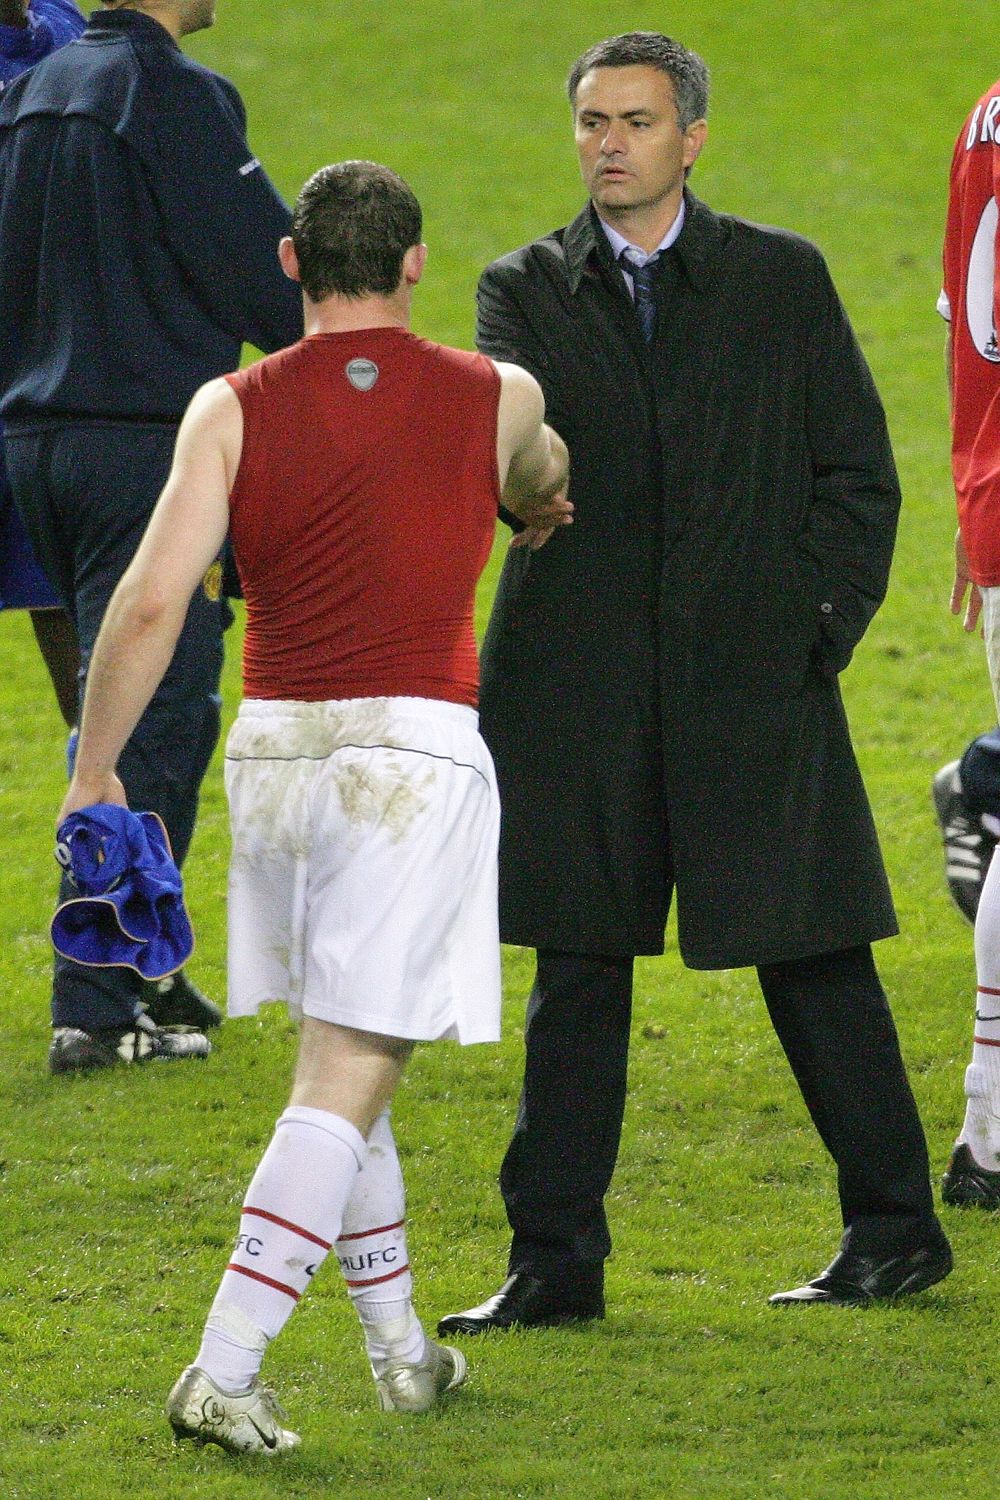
(833, 1021)
(86, 491)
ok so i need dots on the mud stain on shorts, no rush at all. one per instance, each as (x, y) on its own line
(357, 744)
(274, 813)
(381, 790)
(315, 731)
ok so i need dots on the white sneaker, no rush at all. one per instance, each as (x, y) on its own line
(403, 1386)
(250, 1423)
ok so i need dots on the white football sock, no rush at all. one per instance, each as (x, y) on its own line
(373, 1256)
(291, 1217)
(981, 1128)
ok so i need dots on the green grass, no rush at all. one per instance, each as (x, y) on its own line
(119, 1192)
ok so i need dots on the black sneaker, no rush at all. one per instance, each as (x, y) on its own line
(175, 1001)
(968, 848)
(75, 1051)
(966, 1184)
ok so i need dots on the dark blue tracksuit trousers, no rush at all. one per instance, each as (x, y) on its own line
(86, 490)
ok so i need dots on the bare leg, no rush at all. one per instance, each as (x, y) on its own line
(353, 1074)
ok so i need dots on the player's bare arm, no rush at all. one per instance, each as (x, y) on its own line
(148, 608)
(532, 459)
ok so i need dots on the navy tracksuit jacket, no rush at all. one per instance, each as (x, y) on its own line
(49, 24)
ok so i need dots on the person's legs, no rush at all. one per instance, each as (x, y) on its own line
(292, 1216)
(972, 1177)
(561, 1157)
(86, 492)
(833, 1021)
(294, 1213)
(98, 1002)
(375, 1264)
(343, 1080)
(980, 1133)
(374, 910)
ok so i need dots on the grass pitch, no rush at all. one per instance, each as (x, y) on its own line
(120, 1192)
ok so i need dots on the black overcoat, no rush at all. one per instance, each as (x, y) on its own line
(659, 681)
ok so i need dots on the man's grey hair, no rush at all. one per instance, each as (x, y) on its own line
(685, 69)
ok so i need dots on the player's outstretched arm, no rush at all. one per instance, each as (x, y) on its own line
(532, 459)
(147, 610)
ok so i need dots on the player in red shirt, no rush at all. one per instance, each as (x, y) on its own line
(360, 472)
(969, 301)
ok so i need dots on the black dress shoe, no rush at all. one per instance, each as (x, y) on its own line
(851, 1279)
(527, 1301)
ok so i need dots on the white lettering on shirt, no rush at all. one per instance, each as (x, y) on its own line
(988, 131)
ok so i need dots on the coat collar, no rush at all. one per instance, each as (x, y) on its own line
(697, 246)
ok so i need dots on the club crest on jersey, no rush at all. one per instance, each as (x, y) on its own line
(362, 373)
(212, 582)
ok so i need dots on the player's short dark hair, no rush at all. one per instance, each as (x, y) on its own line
(351, 226)
(685, 69)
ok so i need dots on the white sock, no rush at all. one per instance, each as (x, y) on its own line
(291, 1217)
(981, 1127)
(373, 1255)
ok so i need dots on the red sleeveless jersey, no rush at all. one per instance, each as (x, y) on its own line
(362, 516)
(972, 293)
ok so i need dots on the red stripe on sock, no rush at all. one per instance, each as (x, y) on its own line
(366, 1232)
(261, 1213)
(378, 1280)
(982, 989)
(279, 1286)
(985, 1041)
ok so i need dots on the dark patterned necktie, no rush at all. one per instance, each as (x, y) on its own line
(644, 282)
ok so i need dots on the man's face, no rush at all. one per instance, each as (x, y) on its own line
(632, 150)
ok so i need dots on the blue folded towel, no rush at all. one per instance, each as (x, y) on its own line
(130, 911)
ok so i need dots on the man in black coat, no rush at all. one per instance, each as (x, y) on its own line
(660, 684)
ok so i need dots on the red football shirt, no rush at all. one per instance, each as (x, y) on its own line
(972, 300)
(362, 516)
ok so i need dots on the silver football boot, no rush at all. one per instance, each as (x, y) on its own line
(406, 1387)
(250, 1423)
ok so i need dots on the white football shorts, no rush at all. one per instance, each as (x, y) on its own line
(991, 634)
(363, 882)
